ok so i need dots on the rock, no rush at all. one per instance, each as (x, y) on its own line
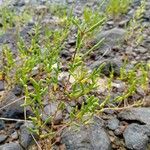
(17, 90)
(137, 136)
(41, 9)
(25, 137)
(2, 124)
(109, 111)
(146, 101)
(27, 31)
(14, 110)
(111, 37)
(111, 66)
(102, 85)
(6, 38)
(35, 71)
(50, 110)
(19, 3)
(124, 23)
(146, 43)
(72, 42)
(110, 23)
(141, 115)
(2, 86)
(18, 124)
(113, 124)
(119, 85)
(65, 54)
(146, 17)
(141, 50)
(140, 91)
(9, 39)
(14, 135)
(90, 137)
(129, 50)
(119, 130)
(2, 138)
(11, 146)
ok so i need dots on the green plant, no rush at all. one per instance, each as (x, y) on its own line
(44, 56)
(35, 101)
(134, 34)
(117, 7)
(6, 18)
(39, 65)
(87, 110)
(133, 81)
(9, 64)
(10, 18)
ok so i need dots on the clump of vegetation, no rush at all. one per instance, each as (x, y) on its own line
(117, 7)
(135, 28)
(47, 63)
(10, 18)
(39, 64)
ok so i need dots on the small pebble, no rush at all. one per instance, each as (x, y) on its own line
(3, 138)
(14, 135)
(120, 130)
(2, 124)
(18, 124)
(113, 123)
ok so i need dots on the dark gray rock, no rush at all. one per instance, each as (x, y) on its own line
(108, 66)
(141, 115)
(109, 111)
(137, 136)
(3, 138)
(19, 3)
(50, 110)
(111, 66)
(17, 90)
(9, 39)
(25, 137)
(90, 137)
(72, 42)
(6, 38)
(14, 110)
(11, 146)
(14, 113)
(146, 16)
(2, 124)
(111, 37)
(2, 86)
(146, 43)
(18, 124)
(113, 124)
(65, 54)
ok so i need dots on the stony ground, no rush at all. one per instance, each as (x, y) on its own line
(118, 130)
